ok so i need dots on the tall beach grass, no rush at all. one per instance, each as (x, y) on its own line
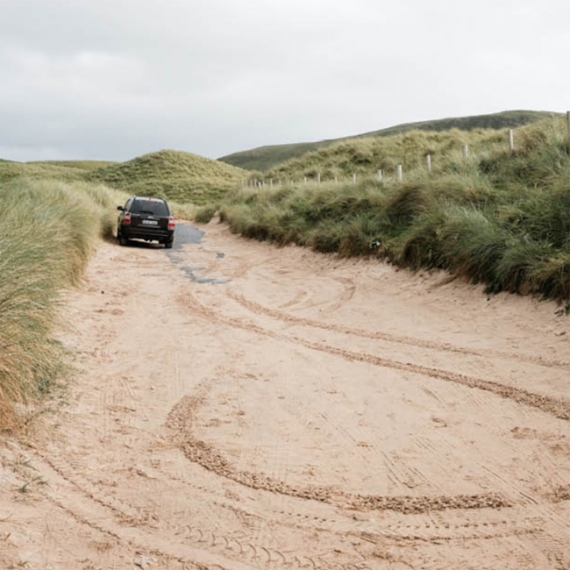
(496, 217)
(49, 231)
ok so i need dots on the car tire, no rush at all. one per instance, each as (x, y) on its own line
(168, 244)
(123, 240)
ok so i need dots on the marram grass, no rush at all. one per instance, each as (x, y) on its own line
(49, 231)
(495, 217)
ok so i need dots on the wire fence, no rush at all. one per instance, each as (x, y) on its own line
(381, 174)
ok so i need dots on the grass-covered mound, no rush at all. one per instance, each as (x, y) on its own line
(81, 164)
(267, 157)
(178, 176)
(40, 171)
(494, 217)
(365, 156)
(49, 230)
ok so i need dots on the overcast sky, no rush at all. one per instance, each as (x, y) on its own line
(114, 79)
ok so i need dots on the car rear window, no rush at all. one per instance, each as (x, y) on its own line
(154, 207)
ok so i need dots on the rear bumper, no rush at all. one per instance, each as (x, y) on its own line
(156, 234)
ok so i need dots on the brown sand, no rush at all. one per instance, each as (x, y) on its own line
(310, 412)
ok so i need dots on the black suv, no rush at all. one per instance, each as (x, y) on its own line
(146, 218)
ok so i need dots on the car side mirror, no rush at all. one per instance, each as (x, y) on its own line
(121, 208)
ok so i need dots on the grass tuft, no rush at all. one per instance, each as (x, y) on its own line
(205, 213)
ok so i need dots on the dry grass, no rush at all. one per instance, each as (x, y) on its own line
(49, 231)
(177, 176)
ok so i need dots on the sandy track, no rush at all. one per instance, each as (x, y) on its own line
(242, 406)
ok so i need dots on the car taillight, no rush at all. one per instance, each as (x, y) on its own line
(171, 223)
(127, 218)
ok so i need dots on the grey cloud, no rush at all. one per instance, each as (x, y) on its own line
(116, 78)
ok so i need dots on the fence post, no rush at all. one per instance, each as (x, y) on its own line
(428, 158)
(465, 150)
(354, 178)
(319, 178)
(336, 179)
(305, 180)
(511, 140)
(568, 130)
(271, 183)
(379, 174)
(399, 172)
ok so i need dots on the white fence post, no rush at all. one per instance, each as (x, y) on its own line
(379, 173)
(399, 172)
(465, 150)
(511, 140)
(336, 179)
(568, 130)
(428, 158)
(319, 178)
(354, 178)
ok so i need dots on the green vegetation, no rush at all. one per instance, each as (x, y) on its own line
(39, 171)
(49, 230)
(267, 157)
(178, 176)
(205, 213)
(504, 120)
(366, 156)
(82, 164)
(494, 217)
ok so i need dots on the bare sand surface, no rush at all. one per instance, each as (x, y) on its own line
(237, 405)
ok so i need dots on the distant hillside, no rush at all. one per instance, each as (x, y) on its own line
(179, 176)
(39, 171)
(364, 156)
(265, 157)
(83, 164)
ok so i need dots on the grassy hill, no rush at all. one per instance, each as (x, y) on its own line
(39, 171)
(81, 164)
(365, 156)
(179, 176)
(265, 157)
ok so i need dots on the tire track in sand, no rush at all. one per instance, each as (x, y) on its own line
(181, 420)
(557, 407)
(393, 338)
(200, 547)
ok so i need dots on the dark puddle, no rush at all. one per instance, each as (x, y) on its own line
(186, 234)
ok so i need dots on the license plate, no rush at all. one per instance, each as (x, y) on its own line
(150, 222)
